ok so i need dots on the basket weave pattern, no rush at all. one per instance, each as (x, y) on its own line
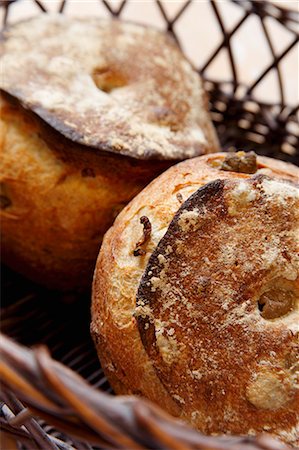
(59, 395)
(45, 403)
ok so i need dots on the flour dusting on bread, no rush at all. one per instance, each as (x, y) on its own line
(221, 293)
(110, 85)
(240, 301)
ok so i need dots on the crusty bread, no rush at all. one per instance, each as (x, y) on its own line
(92, 110)
(57, 204)
(196, 307)
(109, 85)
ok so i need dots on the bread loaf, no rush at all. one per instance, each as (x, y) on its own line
(196, 307)
(91, 111)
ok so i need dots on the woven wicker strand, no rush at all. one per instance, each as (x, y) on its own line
(53, 392)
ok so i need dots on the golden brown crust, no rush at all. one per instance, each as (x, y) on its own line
(108, 85)
(203, 349)
(89, 108)
(58, 200)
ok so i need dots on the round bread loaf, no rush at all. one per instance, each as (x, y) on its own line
(196, 293)
(92, 110)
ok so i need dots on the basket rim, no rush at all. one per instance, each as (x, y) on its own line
(57, 394)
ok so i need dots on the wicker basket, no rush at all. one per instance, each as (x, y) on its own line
(68, 404)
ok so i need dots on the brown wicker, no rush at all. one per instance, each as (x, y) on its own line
(46, 404)
(55, 393)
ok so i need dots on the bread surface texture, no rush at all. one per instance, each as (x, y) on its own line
(56, 204)
(204, 320)
(92, 110)
(108, 85)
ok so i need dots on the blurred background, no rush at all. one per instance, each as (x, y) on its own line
(200, 34)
